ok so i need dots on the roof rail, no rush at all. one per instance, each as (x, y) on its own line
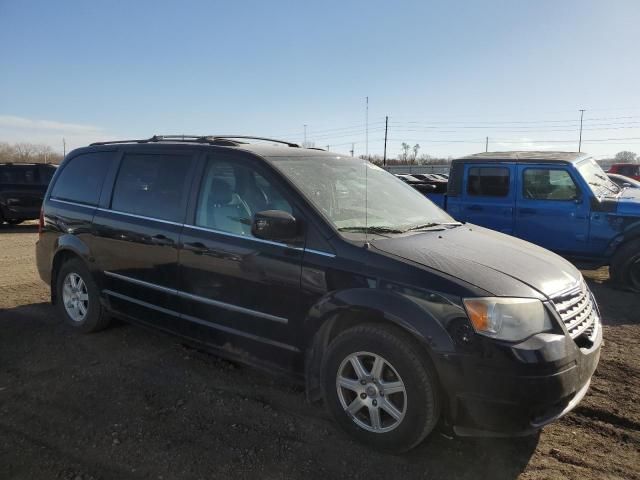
(248, 137)
(210, 139)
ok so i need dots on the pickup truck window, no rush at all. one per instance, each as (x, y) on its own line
(488, 181)
(547, 184)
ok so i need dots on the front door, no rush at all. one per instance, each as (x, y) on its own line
(239, 292)
(489, 197)
(551, 211)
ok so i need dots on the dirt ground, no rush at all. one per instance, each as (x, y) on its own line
(129, 403)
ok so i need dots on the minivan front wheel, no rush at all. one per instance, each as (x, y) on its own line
(380, 388)
(77, 298)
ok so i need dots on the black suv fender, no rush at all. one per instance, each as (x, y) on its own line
(343, 309)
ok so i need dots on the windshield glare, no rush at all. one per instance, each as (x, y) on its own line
(598, 181)
(336, 187)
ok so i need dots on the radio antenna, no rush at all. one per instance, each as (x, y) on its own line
(366, 201)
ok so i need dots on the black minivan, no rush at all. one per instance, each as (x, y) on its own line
(326, 268)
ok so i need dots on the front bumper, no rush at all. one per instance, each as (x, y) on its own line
(520, 389)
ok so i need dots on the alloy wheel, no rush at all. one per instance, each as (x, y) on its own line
(371, 392)
(75, 297)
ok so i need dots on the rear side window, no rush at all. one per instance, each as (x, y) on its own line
(81, 178)
(153, 186)
(18, 174)
(488, 181)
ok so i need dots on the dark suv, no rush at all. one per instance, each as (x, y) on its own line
(326, 268)
(22, 187)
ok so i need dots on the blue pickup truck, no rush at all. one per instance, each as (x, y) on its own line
(562, 201)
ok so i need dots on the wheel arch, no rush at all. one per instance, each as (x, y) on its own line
(630, 233)
(68, 247)
(339, 311)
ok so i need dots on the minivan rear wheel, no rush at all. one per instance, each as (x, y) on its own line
(77, 299)
(379, 386)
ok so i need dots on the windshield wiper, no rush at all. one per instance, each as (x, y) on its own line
(370, 230)
(609, 182)
(433, 224)
(596, 184)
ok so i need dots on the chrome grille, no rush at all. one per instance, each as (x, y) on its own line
(578, 312)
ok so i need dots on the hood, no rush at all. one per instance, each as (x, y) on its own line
(495, 262)
(629, 202)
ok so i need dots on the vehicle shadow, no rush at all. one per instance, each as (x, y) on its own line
(140, 376)
(26, 227)
(617, 305)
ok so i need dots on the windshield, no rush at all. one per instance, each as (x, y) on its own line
(336, 187)
(598, 181)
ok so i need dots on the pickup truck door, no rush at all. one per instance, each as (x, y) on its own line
(551, 209)
(488, 198)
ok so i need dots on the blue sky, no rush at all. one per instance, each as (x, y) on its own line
(447, 73)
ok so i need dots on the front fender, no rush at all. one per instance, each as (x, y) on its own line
(630, 229)
(425, 320)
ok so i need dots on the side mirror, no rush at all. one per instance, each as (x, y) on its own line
(275, 225)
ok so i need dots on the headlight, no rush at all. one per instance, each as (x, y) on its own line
(509, 319)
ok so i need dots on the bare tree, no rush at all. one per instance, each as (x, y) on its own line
(28, 153)
(625, 157)
(415, 149)
(405, 152)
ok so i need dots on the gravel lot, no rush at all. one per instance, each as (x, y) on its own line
(129, 403)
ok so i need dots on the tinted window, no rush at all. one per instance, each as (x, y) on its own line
(18, 174)
(46, 173)
(488, 181)
(153, 186)
(231, 194)
(545, 184)
(629, 170)
(81, 178)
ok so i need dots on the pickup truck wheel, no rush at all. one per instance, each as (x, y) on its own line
(379, 387)
(78, 300)
(625, 265)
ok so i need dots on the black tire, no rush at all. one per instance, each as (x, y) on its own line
(421, 397)
(95, 318)
(625, 265)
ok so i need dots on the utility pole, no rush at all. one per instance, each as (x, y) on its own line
(580, 141)
(64, 148)
(352, 148)
(486, 144)
(386, 128)
(328, 147)
(304, 143)
(366, 148)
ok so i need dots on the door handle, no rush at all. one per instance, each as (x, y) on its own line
(161, 240)
(474, 207)
(528, 211)
(198, 248)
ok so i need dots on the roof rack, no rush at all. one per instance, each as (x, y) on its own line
(209, 139)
